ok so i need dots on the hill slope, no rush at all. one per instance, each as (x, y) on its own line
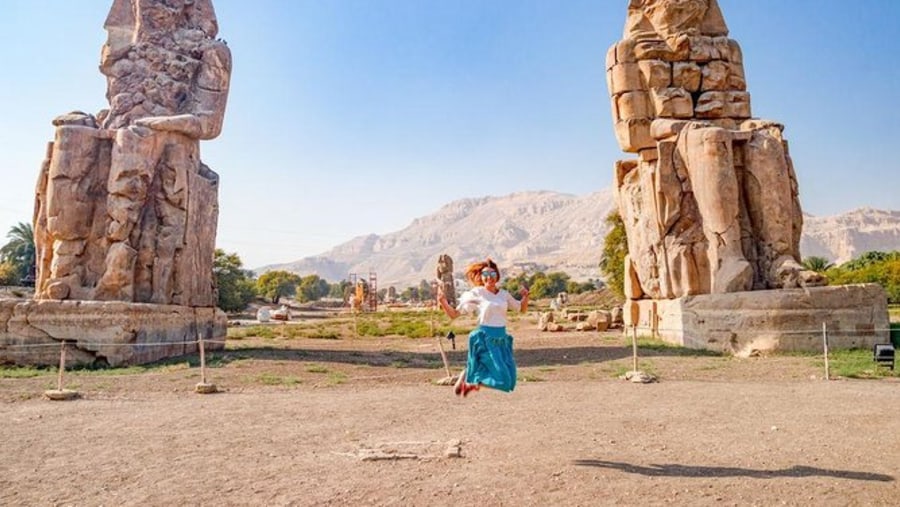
(550, 231)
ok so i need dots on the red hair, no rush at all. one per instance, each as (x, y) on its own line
(473, 272)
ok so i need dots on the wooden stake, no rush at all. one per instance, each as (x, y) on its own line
(825, 346)
(204, 387)
(432, 325)
(444, 357)
(62, 365)
(202, 361)
(634, 346)
(60, 394)
(434, 307)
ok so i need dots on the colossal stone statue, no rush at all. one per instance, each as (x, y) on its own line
(711, 204)
(444, 274)
(125, 209)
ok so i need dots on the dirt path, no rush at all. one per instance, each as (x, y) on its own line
(295, 417)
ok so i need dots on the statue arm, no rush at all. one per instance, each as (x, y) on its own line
(187, 124)
(209, 97)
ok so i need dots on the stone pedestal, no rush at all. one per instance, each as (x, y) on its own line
(104, 333)
(747, 323)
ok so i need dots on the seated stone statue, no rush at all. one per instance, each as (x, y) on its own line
(711, 203)
(125, 208)
(444, 275)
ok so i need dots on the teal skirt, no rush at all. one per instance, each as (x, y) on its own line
(490, 359)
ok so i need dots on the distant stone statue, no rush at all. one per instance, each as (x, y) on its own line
(125, 209)
(444, 274)
(711, 203)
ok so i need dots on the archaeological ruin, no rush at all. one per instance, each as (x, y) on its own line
(126, 211)
(711, 203)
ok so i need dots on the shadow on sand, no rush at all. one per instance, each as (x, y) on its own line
(675, 470)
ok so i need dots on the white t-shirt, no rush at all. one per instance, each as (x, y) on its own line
(491, 307)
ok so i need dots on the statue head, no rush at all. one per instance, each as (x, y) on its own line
(161, 58)
(666, 19)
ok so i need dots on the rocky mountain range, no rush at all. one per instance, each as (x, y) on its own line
(547, 231)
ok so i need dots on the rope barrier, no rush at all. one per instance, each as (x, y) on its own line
(816, 332)
(804, 332)
(106, 344)
(205, 388)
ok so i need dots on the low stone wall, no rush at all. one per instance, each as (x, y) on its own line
(745, 323)
(114, 333)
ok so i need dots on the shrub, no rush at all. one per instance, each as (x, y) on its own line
(615, 247)
(235, 284)
(872, 267)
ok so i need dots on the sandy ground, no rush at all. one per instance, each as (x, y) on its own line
(296, 417)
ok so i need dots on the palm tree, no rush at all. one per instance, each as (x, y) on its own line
(19, 250)
(817, 264)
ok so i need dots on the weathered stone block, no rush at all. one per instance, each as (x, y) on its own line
(664, 128)
(672, 103)
(737, 105)
(634, 135)
(715, 76)
(659, 50)
(736, 55)
(702, 49)
(736, 79)
(625, 77)
(114, 333)
(747, 323)
(686, 75)
(656, 73)
(633, 105)
(610, 57)
(711, 105)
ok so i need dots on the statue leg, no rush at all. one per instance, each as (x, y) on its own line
(134, 157)
(710, 164)
(770, 197)
(64, 218)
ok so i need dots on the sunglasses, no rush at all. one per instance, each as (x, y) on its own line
(489, 274)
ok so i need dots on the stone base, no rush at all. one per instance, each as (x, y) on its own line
(747, 323)
(101, 333)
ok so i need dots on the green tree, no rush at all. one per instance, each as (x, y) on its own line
(339, 289)
(19, 251)
(235, 284)
(514, 284)
(425, 292)
(817, 264)
(868, 259)
(872, 267)
(557, 282)
(9, 275)
(410, 294)
(312, 288)
(275, 285)
(574, 287)
(615, 247)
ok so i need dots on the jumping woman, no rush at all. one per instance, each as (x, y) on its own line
(490, 362)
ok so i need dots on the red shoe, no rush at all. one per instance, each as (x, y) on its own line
(468, 388)
(460, 383)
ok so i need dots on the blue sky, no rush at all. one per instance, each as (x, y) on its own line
(349, 117)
